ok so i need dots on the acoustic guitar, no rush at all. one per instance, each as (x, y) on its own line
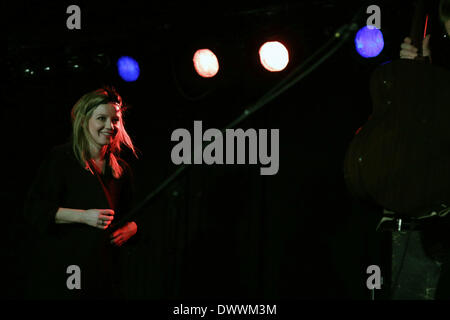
(400, 158)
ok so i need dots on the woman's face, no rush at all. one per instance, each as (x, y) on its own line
(104, 124)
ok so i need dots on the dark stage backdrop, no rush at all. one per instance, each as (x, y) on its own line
(219, 231)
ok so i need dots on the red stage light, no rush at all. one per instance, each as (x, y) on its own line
(206, 63)
(274, 56)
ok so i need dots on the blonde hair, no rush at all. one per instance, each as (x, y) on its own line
(82, 112)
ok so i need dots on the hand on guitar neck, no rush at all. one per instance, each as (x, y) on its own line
(408, 51)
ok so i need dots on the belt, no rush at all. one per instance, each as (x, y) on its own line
(394, 222)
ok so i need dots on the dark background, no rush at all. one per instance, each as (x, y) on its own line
(217, 231)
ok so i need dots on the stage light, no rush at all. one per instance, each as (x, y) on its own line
(369, 42)
(128, 68)
(274, 56)
(205, 63)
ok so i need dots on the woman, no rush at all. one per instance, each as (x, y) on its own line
(80, 189)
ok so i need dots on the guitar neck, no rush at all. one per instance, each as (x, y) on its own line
(418, 25)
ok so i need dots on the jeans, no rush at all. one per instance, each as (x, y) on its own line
(415, 276)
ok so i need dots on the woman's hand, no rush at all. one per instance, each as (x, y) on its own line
(99, 218)
(408, 51)
(122, 235)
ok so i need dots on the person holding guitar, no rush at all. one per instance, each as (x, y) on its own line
(398, 162)
(433, 240)
(421, 256)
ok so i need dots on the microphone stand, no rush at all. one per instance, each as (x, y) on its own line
(341, 35)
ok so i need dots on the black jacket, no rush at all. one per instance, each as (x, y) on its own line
(62, 182)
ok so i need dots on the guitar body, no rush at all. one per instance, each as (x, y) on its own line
(400, 159)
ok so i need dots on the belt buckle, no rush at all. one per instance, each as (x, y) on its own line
(395, 223)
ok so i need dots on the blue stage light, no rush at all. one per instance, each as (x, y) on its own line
(128, 68)
(369, 42)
